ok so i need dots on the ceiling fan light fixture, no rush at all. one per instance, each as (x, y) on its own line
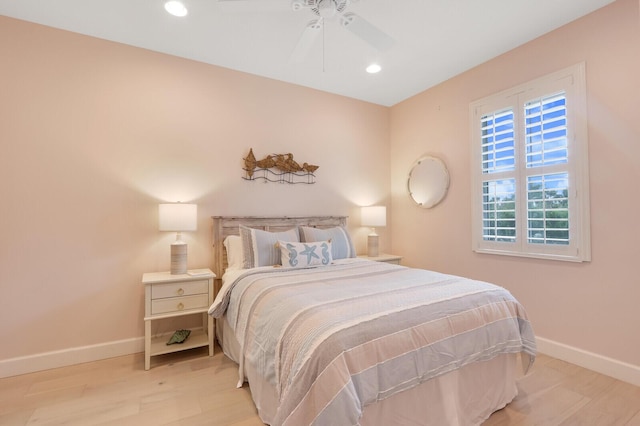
(326, 8)
(374, 68)
(176, 8)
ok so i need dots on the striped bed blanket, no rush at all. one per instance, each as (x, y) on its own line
(333, 339)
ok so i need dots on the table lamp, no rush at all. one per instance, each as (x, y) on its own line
(373, 216)
(178, 217)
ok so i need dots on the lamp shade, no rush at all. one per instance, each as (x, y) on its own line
(373, 216)
(178, 217)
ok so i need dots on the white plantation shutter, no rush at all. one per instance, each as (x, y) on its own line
(546, 131)
(548, 209)
(498, 158)
(530, 169)
(499, 210)
(498, 142)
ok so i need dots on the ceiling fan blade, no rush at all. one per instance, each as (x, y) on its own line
(306, 40)
(366, 31)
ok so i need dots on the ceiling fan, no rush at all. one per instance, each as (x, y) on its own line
(328, 10)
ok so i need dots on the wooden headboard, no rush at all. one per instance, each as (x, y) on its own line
(224, 226)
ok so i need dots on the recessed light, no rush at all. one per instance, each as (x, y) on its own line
(175, 8)
(374, 68)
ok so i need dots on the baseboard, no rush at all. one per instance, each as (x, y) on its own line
(63, 358)
(28, 364)
(608, 366)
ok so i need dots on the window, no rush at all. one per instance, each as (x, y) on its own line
(530, 180)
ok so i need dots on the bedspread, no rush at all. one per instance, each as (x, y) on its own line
(334, 339)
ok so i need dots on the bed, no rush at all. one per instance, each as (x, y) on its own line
(331, 339)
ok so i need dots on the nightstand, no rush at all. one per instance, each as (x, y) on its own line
(170, 296)
(388, 258)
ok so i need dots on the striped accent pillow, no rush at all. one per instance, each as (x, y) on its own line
(341, 244)
(260, 248)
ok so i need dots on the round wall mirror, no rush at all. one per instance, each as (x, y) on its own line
(428, 181)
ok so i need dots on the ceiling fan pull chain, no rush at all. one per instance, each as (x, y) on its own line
(323, 43)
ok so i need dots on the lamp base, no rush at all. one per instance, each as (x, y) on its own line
(372, 245)
(178, 258)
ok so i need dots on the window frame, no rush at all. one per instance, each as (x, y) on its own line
(572, 82)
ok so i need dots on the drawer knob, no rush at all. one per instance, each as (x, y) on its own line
(180, 291)
(180, 306)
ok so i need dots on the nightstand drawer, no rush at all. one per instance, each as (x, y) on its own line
(177, 304)
(185, 288)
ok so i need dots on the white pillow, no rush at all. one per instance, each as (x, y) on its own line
(233, 245)
(260, 248)
(301, 255)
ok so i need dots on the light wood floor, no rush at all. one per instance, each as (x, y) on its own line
(191, 389)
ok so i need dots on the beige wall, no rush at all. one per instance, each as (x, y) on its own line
(592, 306)
(94, 134)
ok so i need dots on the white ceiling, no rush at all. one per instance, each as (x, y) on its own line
(434, 39)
